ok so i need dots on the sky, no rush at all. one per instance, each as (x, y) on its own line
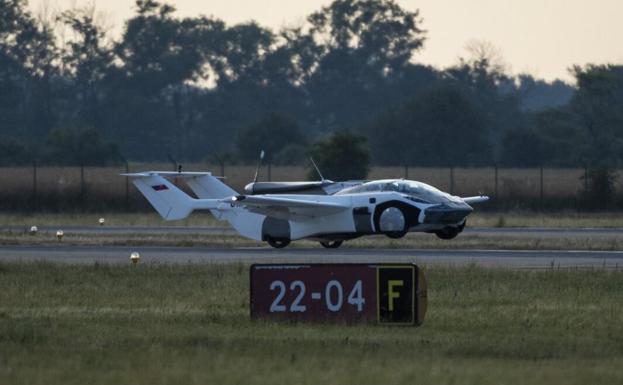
(540, 37)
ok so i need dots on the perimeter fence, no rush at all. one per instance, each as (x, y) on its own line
(90, 189)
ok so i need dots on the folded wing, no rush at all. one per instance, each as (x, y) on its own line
(289, 208)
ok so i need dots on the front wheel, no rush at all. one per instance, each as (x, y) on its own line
(278, 243)
(331, 244)
(393, 223)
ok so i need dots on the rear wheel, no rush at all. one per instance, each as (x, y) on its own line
(331, 244)
(448, 232)
(278, 243)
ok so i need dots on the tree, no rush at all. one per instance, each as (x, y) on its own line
(598, 108)
(360, 46)
(379, 32)
(482, 79)
(522, 148)
(72, 147)
(13, 152)
(559, 137)
(439, 128)
(88, 61)
(538, 95)
(341, 156)
(27, 57)
(272, 134)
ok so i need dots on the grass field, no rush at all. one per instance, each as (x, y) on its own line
(171, 324)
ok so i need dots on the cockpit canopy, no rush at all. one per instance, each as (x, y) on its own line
(420, 191)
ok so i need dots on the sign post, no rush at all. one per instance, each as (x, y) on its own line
(368, 293)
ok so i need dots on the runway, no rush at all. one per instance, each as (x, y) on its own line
(515, 259)
(211, 230)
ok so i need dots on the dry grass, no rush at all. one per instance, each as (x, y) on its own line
(106, 181)
(564, 219)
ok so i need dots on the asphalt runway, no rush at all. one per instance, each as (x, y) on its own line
(515, 259)
(155, 230)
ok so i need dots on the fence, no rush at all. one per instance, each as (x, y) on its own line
(102, 188)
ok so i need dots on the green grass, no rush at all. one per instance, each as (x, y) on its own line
(170, 324)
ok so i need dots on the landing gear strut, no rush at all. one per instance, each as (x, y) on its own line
(331, 244)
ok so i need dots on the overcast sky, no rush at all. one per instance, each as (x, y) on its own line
(541, 37)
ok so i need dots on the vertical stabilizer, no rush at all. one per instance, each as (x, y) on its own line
(170, 202)
(210, 187)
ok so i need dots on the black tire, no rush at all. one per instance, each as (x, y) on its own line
(331, 244)
(278, 243)
(396, 234)
(448, 232)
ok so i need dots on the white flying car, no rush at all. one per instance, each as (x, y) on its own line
(329, 212)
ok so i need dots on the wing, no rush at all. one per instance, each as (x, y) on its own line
(286, 207)
(172, 174)
(478, 199)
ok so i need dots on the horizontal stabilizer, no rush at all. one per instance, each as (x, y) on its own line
(172, 174)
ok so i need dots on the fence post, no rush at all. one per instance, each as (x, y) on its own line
(127, 185)
(541, 193)
(496, 181)
(451, 180)
(406, 171)
(269, 171)
(82, 186)
(34, 186)
(175, 167)
(586, 180)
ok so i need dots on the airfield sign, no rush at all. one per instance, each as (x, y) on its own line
(368, 293)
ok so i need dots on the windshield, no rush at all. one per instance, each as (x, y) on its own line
(409, 187)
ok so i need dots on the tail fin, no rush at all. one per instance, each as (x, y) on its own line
(170, 202)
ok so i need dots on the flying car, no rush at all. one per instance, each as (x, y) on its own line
(325, 211)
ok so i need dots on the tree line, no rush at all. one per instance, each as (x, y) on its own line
(197, 89)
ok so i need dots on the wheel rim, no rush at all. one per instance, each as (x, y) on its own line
(392, 220)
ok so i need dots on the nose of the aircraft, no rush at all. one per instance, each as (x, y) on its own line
(448, 213)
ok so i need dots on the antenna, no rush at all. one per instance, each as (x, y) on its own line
(317, 169)
(259, 164)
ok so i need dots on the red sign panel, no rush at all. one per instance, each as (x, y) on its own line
(338, 292)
